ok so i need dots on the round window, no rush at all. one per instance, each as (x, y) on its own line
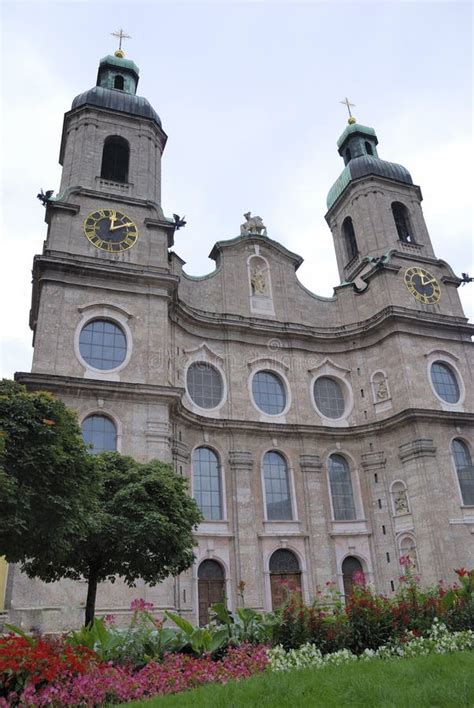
(269, 392)
(445, 382)
(103, 344)
(204, 385)
(329, 397)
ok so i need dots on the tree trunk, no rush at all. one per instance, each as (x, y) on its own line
(91, 595)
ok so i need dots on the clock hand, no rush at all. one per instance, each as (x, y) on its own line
(427, 281)
(112, 219)
(120, 226)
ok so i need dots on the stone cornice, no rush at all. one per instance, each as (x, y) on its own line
(407, 417)
(231, 323)
(61, 268)
(79, 387)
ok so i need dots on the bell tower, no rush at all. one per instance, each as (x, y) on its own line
(373, 206)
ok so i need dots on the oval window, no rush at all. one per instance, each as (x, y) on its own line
(268, 392)
(204, 384)
(103, 344)
(444, 382)
(329, 397)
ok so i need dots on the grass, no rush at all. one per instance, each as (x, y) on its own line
(423, 682)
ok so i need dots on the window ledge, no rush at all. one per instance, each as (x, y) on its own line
(215, 528)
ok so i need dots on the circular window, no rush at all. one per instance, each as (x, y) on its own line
(444, 382)
(269, 392)
(99, 432)
(329, 397)
(204, 385)
(103, 344)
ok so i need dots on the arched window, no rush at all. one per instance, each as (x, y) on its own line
(285, 575)
(115, 159)
(207, 486)
(402, 222)
(341, 489)
(348, 156)
(277, 487)
(352, 574)
(464, 471)
(211, 588)
(349, 238)
(368, 148)
(400, 502)
(118, 82)
(100, 432)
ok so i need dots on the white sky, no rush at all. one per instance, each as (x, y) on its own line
(249, 96)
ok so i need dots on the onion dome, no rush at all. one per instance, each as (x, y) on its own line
(117, 81)
(358, 147)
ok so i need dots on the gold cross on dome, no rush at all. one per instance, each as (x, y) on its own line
(121, 35)
(348, 105)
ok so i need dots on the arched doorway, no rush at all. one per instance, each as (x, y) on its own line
(211, 587)
(350, 565)
(285, 573)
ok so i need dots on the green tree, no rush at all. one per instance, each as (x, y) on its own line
(67, 514)
(47, 480)
(141, 527)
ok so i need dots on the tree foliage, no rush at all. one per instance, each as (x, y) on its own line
(142, 526)
(47, 480)
(68, 514)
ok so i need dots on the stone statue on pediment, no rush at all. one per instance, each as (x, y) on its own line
(253, 225)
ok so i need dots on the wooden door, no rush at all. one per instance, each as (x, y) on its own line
(350, 566)
(281, 584)
(211, 588)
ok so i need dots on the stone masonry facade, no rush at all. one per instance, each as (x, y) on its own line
(374, 338)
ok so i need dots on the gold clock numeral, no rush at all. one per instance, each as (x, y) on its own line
(115, 221)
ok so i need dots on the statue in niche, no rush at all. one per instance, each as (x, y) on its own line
(258, 281)
(401, 502)
(253, 225)
(381, 388)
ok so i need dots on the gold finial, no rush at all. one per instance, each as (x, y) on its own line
(121, 35)
(351, 120)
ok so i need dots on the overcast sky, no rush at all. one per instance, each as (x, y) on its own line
(248, 94)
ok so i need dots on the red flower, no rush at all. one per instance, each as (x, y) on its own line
(461, 572)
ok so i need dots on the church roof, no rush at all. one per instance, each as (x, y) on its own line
(363, 166)
(117, 100)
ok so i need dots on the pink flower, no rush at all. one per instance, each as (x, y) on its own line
(140, 605)
(109, 619)
(405, 560)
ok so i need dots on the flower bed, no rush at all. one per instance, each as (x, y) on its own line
(105, 683)
(439, 640)
(103, 664)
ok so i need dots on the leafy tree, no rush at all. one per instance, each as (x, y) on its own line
(141, 527)
(68, 514)
(47, 480)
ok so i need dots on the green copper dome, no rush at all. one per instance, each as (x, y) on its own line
(358, 147)
(116, 89)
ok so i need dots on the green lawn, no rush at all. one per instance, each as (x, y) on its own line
(427, 681)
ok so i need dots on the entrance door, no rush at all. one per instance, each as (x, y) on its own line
(211, 588)
(350, 565)
(285, 575)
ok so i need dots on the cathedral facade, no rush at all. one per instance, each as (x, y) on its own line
(320, 436)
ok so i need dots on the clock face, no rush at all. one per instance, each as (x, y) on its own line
(110, 230)
(422, 285)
